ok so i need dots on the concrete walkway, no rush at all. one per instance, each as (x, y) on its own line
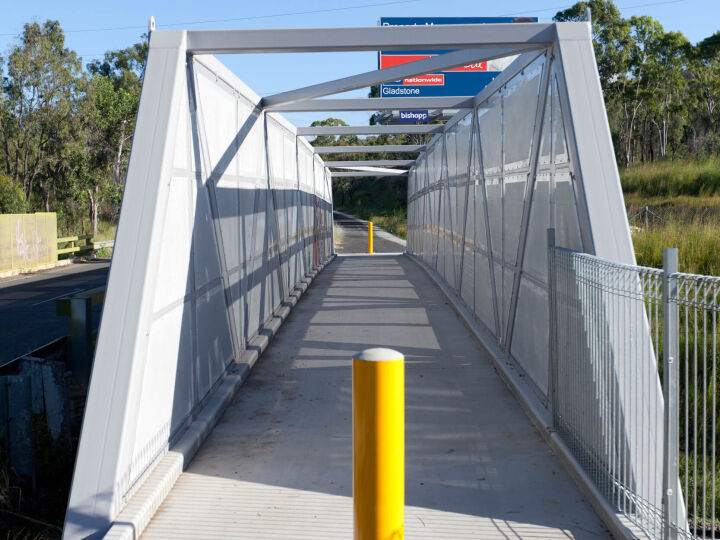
(351, 236)
(278, 464)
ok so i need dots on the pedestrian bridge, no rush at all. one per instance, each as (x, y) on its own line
(198, 426)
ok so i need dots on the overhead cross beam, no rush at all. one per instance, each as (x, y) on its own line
(364, 173)
(372, 163)
(395, 73)
(377, 129)
(368, 38)
(375, 104)
(369, 149)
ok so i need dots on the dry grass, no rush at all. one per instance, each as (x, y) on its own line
(689, 178)
(395, 223)
(698, 245)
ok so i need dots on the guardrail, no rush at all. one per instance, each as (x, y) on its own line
(74, 244)
(81, 244)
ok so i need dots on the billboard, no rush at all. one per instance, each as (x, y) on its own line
(460, 81)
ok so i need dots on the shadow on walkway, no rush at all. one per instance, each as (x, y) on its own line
(278, 464)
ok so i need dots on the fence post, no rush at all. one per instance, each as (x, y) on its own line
(671, 353)
(80, 338)
(551, 322)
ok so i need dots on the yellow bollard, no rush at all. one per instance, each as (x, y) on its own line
(378, 394)
(370, 237)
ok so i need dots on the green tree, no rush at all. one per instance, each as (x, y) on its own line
(108, 114)
(12, 198)
(611, 38)
(41, 89)
(704, 83)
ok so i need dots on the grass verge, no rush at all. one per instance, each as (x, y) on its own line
(698, 245)
(673, 178)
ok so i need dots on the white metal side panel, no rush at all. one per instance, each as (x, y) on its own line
(595, 160)
(108, 432)
(204, 254)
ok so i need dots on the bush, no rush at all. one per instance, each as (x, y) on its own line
(12, 198)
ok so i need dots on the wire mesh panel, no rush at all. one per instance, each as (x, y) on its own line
(470, 195)
(606, 321)
(605, 316)
(698, 303)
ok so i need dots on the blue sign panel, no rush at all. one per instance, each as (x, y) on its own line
(461, 81)
(413, 116)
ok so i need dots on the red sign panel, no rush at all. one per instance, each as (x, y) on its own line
(390, 60)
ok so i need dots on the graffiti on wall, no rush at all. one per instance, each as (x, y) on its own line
(27, 247)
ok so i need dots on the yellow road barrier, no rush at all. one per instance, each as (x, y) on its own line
(370, 237)
(27, 241)
(378, 393)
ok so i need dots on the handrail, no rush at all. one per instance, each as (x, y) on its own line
(88, 246)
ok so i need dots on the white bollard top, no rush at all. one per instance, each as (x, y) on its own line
(378, 354)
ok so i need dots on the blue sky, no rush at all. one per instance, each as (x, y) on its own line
(94, 27)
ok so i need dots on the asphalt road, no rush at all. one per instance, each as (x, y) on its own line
(27, 305)
(351, 236)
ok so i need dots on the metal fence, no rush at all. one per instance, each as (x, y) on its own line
(610, 324)
(653, 216)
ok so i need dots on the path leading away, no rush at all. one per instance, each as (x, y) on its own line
(351, 236)
(27, 305)
(278, 464)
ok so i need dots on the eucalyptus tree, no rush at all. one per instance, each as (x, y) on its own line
(42, 85)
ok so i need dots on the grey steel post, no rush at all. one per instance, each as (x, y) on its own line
(80, 338)
(671, 353)
(551, 321)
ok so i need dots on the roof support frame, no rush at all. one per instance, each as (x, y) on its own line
(372, 163)
(375, 104)
(348, 174)
(368, 38)
(378, 129)
(371, 78)
(369, 149)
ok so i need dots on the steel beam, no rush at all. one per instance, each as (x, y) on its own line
(368, 38)
(369, 130)
(372, 163)
(375, 104)
(383, 170)
(369, 149)
(371, 78)
(520, 63)
(363, 173)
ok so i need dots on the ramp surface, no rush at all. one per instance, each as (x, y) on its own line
(278, 464)
(351, 236)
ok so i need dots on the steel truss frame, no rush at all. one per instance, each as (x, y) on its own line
(467, 44)
(96, 497)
